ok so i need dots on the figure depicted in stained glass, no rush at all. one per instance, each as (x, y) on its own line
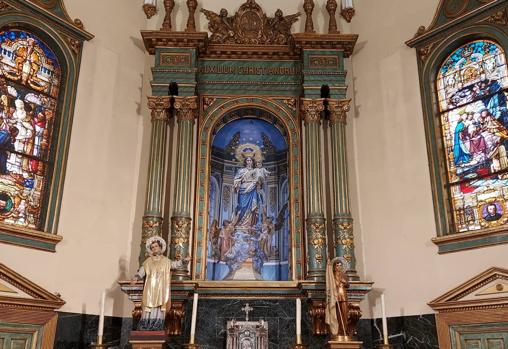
(471, 86)
(156, 270)
(492, 213)
(29, 85)
(7, 138)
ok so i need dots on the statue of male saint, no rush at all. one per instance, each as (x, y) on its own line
(156, 270)
(337, 307)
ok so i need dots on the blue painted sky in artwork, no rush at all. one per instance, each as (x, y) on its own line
(250, 132)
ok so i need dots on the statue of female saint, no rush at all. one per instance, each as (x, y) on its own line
(337, 308)
(156, 270)
(246, 184)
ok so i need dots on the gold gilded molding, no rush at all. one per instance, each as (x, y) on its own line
(317, 238)
(169, 59)
(317, 311)
(159, 106)
(312, 109)
(324, 61)
(338, 111)
(250, 26)
(499, 17)
(424, 52)
(175, 318)
(180, 232)
(186, 108)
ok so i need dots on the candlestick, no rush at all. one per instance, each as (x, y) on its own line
(385, 324)
(100, 331)
(194, 316)
(298, 321)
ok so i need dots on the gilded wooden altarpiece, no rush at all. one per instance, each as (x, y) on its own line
(40, 52)
(462, 68)
(251, 68)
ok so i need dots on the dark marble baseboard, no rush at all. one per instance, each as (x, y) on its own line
(77, 331)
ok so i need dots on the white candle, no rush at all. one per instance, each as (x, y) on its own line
(151, 2)
(347, 3)
(385, 324)
(194, 316)
(101, 317)
(298, 321)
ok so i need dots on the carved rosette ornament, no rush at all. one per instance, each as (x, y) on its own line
(499, 17)
(312, 109)
(159, 106)
(308, 7)
(169, 5)
(338, 111)
(186, 108)
(250, 26)
(331, 8)
(191, 22)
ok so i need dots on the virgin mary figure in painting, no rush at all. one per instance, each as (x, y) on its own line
(246, 183)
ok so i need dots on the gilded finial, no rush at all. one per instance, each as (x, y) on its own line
(308, 7)
(331, 7)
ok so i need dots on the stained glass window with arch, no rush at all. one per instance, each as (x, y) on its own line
(29, 86)
(472, 101)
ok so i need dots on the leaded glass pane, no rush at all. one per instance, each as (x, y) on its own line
(471, 88)
(29, 85)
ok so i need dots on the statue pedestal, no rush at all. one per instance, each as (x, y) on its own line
(148, 339)
(344, 345)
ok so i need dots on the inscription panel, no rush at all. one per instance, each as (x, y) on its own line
(175, 60)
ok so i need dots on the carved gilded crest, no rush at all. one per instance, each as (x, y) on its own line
(250, 26)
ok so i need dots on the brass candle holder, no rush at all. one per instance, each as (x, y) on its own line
(99, 344)
(191, 346)
(384, 346)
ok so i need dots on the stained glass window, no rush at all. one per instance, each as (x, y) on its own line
(471, 87)
(29, 85)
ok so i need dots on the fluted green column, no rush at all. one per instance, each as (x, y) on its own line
(315, 219)
(152, 218)
(186, 111)
(342, 220)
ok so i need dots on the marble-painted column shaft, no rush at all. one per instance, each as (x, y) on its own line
(186, 111)
(152, 218)
(342, 221)
(315, 220)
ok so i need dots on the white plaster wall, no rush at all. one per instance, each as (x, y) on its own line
(104, 190)
(104, 187)
(393, 204)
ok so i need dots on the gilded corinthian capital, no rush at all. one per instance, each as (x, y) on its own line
(338, 111)
(312, 109)
(186, 108)
(159, 106)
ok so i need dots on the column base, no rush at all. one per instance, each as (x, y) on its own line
(344, 345)
(148, 339)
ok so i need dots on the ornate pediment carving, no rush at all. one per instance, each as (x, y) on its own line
(250, 26)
